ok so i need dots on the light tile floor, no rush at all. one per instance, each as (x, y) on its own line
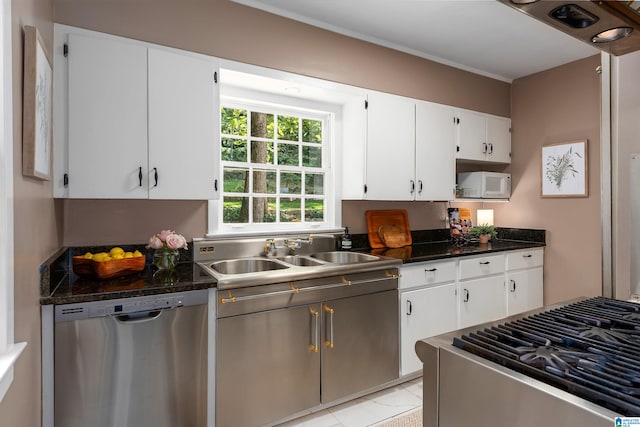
(366, 411)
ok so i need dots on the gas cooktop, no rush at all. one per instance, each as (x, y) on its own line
(590, 348)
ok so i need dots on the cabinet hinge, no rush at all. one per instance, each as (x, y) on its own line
(365, 189)
(65, 50)
(366, 104)
(215, 77)
(65, 179)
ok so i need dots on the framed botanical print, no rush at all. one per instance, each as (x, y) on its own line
(564, 170)
(36, 125)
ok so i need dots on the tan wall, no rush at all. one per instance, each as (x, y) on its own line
(558, 105)
(628, 143)
(37, 235)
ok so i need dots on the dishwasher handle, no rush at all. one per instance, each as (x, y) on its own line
(139, 317)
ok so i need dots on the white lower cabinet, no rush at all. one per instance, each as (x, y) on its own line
(481, 300)
(524, 281)
(424, 313)
(441, 296)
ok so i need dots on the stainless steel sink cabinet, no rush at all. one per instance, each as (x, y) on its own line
(285, 348)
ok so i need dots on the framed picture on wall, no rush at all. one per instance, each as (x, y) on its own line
(564, 170)
(37, 102)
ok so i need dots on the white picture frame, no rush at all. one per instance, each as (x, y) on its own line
(37, 107)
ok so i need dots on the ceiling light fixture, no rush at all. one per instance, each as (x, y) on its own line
(611, 35)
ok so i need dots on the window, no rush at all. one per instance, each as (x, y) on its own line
(275, 165)
(9, 351)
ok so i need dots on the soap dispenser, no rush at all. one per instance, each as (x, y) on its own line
(346, 240)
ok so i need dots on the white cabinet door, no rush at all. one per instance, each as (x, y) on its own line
(482, 300)
(424, 313)
(390, 173)
(471, 129)
(184, 127)
(435, 155)
(499, 139)
(524, 290)
(107, 118)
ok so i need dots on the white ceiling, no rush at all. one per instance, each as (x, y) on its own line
(481, 36)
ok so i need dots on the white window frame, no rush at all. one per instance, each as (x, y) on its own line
(332, 173)
(9, 351)
(326, 169)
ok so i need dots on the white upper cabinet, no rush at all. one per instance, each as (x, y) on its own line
(435, 157)
(184, 124)
(141, 122)
(390, 155)
(107, 116)
(483, 138)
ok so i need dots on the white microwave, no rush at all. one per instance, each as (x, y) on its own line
(484, 185)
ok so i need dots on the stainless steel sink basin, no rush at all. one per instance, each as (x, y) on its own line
(241, 266)
(344, 257)
(300, 261)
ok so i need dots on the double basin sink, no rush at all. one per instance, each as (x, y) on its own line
(255, 265)
(259, 270)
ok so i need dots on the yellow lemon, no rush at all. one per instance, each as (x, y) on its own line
(117, 256)
(99, 256)
(137, 254)
(128, 255)
(88, 255)
(116, 251)
(107, 258)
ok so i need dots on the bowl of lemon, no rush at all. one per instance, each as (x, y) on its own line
(106, 265)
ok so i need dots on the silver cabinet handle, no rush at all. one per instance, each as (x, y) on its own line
(466, 295)
(313, 346)
(329, 341)
(430, 270)
(490, 148)
(409, 308)
(484, 148)
(413, 186)
(513, 285)
(419, 186)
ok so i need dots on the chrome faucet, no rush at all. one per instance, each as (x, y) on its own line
(294, 244)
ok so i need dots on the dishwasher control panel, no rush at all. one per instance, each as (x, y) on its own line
(116, 307)
(133, 305)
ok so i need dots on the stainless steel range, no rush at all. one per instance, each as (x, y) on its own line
(573, 365)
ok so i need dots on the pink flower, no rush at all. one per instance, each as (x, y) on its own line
(155, 242)
(176, 241)
(164, 234)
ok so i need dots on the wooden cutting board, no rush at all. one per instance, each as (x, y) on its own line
(389, 217)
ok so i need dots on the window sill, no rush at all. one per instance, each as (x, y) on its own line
(7, 360)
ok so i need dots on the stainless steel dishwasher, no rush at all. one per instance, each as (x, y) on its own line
(132, 362)
(287, 347)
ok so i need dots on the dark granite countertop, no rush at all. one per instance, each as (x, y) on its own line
(441, 250)
(429, 245)
(59, 285)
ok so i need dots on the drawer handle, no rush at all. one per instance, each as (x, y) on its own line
(231, 298)
(430, 270)
(466, 295)
(409, 308)
(293, 288)
(485, 262)
(392, 275)
(346, 281)
(527, 256)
